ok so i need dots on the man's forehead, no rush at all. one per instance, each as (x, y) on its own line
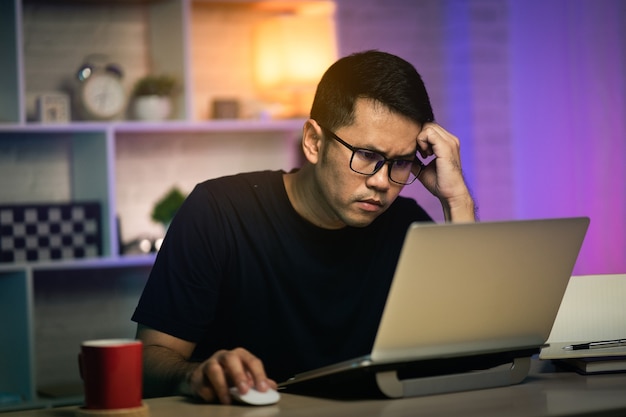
(383, 130)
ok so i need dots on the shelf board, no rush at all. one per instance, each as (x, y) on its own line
(54, 127)
(93, 263)
(226, 125)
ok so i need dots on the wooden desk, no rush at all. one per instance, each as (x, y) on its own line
(543, 393)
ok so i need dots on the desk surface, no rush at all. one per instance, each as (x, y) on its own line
(543, 393)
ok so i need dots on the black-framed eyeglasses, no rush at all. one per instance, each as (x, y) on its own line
(368, 162)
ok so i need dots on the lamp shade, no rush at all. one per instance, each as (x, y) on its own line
(292, 51)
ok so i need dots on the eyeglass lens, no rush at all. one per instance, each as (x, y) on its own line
(369, 162)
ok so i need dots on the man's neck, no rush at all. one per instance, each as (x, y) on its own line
(306, 199)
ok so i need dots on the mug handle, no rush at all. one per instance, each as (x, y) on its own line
(80, 365)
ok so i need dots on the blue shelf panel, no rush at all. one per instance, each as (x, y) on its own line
(16, 337)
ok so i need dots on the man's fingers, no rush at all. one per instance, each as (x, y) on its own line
(238, 367)
(245, 370)
(200, 385)
(208, 382)
(424, 147)
(216, 376)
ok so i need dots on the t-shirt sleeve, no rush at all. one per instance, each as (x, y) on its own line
(180, 297)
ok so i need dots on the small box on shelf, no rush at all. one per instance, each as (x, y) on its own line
(53, 108)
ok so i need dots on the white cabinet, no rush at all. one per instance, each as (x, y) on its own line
(47, 308)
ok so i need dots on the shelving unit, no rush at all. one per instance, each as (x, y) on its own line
(48, 308)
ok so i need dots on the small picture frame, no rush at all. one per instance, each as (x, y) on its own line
(53, 108)
(225, 109)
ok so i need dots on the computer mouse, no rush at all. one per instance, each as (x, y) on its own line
(254, 397)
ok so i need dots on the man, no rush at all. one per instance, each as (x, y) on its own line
(268, 274)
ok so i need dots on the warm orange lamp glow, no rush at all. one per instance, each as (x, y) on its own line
(292, 51)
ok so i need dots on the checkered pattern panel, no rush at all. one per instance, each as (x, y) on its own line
(42, 232)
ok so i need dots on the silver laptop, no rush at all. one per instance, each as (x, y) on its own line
(469, 305)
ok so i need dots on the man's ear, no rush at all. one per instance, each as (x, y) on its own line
(312, 141)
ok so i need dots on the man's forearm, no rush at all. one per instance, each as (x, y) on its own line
(460, 210)
(164, 371)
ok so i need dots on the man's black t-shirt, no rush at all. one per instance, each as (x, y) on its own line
(240, 268)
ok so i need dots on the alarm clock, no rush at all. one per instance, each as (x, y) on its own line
(100, 94)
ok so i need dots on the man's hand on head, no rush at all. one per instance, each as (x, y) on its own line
(443, 177)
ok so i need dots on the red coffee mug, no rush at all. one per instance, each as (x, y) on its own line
(111, 370)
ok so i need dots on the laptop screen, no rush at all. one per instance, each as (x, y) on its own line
(462, 289)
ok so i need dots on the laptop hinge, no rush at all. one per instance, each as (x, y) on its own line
(501, 375)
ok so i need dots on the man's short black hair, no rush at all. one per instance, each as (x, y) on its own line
(371, 74)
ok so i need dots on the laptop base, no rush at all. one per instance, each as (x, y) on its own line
(418, 378)
(502, 375)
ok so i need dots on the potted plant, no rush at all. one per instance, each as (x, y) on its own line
(152, 97)
(165, 209)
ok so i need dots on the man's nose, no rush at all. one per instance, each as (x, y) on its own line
(380, 179)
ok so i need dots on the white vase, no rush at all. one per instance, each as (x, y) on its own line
(152, 107)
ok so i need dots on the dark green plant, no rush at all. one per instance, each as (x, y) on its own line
(165, 209)
(160, 85)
